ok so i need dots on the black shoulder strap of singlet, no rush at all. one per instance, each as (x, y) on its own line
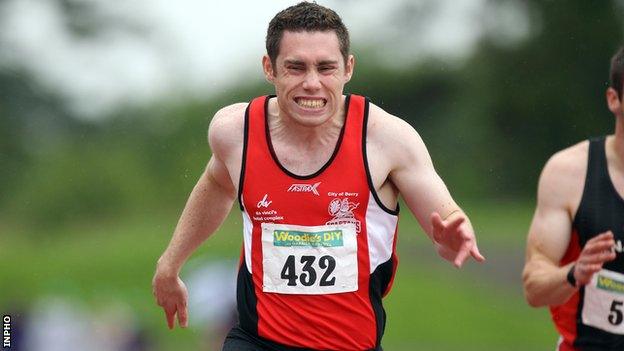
(595, 177)
(597, 162)
(244, 156)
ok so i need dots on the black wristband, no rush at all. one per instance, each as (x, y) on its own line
(570, 277)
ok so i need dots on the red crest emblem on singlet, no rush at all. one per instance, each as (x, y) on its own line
(342, 211)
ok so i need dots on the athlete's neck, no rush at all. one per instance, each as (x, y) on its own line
(617, 142)
(287, 129)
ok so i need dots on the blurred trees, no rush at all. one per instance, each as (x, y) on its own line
(490, 122)
(549, 92)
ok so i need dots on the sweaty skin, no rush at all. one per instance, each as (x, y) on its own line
(305, 122)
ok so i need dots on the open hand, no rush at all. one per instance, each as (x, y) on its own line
(595, 253)
(455, 239)
(171, 294)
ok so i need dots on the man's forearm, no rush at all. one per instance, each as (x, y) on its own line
(206, 209)
(546, 284)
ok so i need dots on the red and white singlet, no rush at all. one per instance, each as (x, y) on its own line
(319, 250)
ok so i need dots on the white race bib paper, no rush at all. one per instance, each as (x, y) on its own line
(603, 305)
(310, 260)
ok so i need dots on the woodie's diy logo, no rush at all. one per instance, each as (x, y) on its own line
(609, 284)
(290, 238)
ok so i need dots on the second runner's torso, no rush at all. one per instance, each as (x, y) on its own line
(593, 319)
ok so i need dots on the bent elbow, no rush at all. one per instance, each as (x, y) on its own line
(531, 295)
(532, 300)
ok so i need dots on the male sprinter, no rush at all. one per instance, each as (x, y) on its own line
(574, 261)
(317, 175)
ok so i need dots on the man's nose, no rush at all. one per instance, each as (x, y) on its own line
(312, 81)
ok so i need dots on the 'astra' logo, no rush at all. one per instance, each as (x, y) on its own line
(304, 188)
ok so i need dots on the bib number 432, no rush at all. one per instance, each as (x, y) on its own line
(306, 274)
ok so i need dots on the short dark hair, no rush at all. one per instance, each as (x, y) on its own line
(616, 73)
(305, 16)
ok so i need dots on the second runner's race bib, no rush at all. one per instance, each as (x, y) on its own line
(309, 260)
(603, 306)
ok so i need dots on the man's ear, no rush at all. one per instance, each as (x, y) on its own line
(267, 66)
(349, 66)
(613, 101)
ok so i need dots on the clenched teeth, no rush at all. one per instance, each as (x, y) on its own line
(311, 103)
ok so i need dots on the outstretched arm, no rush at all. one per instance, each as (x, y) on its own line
(428, 198)
(206, 208)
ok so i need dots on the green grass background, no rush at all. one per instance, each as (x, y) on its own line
(432, 306)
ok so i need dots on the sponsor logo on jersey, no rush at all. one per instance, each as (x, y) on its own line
(618, 246)
(304, 188)
(264, 202)
(330, 238)
(342, 211)
(609, 284)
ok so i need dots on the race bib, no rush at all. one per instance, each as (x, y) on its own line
(311, 260)
(603, 305)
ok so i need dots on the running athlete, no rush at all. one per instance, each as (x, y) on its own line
(574, 261)
(317, 175)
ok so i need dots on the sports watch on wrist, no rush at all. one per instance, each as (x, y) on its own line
(570, 277)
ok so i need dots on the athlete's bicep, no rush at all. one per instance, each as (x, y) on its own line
(225, 137)
(551, 227)
(218, 174)
(549, 234)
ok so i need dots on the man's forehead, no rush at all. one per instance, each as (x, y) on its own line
(320, 39)
(310, 45)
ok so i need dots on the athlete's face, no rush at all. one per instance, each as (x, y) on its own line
(309, 76)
